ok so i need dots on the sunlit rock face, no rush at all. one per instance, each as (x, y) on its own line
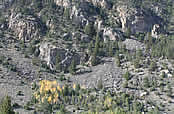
(135, 19)
(49, 53)
(24, 27)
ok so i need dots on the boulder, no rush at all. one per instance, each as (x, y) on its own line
(110, 34)
(99, 25)
(155, 30)
(49, 52)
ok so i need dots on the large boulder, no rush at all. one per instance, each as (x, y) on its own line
(24, 27)
(49, 52)
(155, 31)
(110, 34)
(99, 25)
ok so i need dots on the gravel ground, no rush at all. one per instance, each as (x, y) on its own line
(108, 72)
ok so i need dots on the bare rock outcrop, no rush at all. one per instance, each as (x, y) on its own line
(110, 34)
(24, 27)
(155, 31)
(135, 19)
(100, 3)
(67, 3)
(64, 3)
(49, 52)
(78, 17)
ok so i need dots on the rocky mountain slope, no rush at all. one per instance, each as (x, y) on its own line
(124, 45)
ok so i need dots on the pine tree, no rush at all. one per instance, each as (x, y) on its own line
(89, 29)
(100, 84)
(117, 60)
(153, 66)
(128, 32)
(127, 76)
(94, 60)
(90, 47)
(58, 66)
(72, 68)
(5, 106)
(96, 49)
(110, 50)
(137, 63)
(67, 13)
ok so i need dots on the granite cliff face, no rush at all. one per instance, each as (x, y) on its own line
(25, 28)
(82, 13)
(68, 3)
(136, 19)
(110, 34)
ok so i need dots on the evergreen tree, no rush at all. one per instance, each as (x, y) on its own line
(128, 32)
(153, 66)
(137, 63)
(127, 76)
(94, 60)
(146, 82)
(110, 50)
(90, 47)
(72, 68)
(100, 84)
(67, 13)
(46, 107)
(96, 49)
(66, 90)
(5, 106)
(89, 29)
(117, 60)
(58, 66)
(77, 87)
